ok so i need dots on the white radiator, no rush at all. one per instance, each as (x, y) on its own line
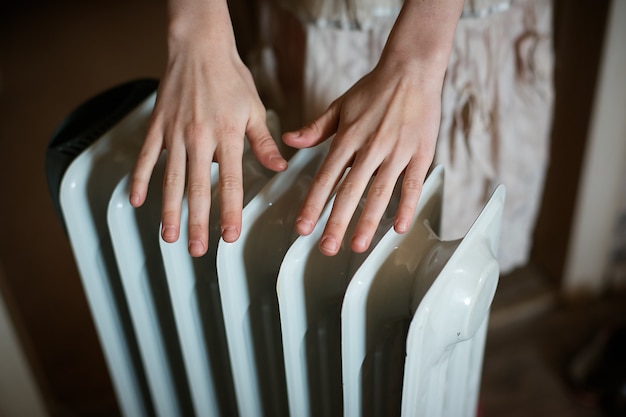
(268, 326)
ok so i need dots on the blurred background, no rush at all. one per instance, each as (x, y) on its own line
(55, 55)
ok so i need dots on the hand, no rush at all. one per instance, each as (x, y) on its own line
(386, 125)
(205, 105)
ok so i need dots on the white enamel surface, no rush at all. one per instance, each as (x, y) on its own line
(310, 291)
(196, 299)
(188, 279)
(135, 237)
(377, 299)
(426, 298)
(255, 326)
(84, 194)
(247, 273)
(442, 377)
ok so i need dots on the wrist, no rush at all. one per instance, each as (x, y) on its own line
(422, 37)
(202, 25)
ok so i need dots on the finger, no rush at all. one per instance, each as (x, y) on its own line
(199, 198)
(317, 131)
(322, 185)
(412, 185)
(173, 190)
(347, 199)
(146, 160)
(378, 196)
(231, 186)
(264, 146)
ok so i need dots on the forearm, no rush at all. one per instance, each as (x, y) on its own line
(422, 36)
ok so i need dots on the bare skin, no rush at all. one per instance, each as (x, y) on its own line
(386, 125)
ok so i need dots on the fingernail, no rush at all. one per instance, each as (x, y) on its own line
(169, 233)
(329, 244)
(196, 248)
(279, 161)
(229, 234)
(304, 226)
(359, 242)
(401, 226)
(134, 199)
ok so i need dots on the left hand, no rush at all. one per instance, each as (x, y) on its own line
(386, 125)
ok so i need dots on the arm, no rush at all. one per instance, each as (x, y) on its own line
(386, 125)
(205, 104)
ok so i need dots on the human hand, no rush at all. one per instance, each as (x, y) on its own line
(385, 126)
(206, 103)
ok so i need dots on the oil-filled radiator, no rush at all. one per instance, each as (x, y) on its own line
(268, 326)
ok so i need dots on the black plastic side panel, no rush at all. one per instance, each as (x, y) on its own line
(86, 124)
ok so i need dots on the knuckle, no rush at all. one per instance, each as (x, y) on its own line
(229, 217)
(173, 179)
(198, 190)
(228, 132)
(197, 228)
(349, 190)
(314, 126)
(367, 224)
(195, 133)
(351, 133)
(378, 142)
(225, 128)
(334, 225)
(170, 216)
(310, 210)
(144, 157)
(378, 192)
(265, 142)
(412, 185)
(324, 179)
(230, 182)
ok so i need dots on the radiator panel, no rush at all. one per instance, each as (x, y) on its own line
(465, 276)
(84, 193)
(310, 291)
(196, 297)
(247, 273)
(198, 314)
(267, 325)
(134, 234)
(371, 325)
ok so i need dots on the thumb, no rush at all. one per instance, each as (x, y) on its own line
(317, 131)
(264, 146)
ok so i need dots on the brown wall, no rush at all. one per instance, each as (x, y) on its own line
(53, 56)
(579, 32)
